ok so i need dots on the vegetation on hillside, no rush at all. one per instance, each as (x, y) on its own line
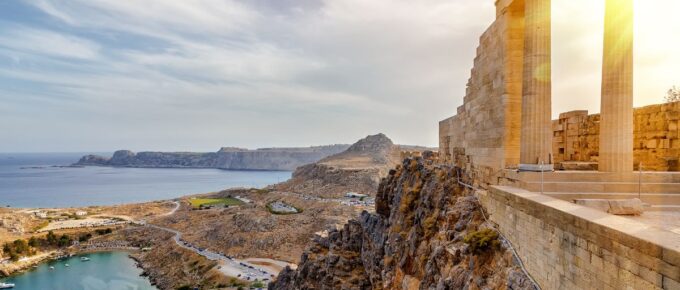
(25, 248)
(482, 241)
(673, 95)
(204, 202)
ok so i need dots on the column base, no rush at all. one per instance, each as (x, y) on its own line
(537, 167)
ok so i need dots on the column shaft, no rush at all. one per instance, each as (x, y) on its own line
(616, 124)
(536, 142)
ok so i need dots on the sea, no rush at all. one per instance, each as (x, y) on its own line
(104, 271)
(43, 180)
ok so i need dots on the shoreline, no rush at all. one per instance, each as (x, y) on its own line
(20, 269)
(76, 165)
(57, 255)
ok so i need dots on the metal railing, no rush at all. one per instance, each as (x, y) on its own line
(507, 242)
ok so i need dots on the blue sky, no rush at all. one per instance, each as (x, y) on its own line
(94, 75)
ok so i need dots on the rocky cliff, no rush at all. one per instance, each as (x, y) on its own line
(357, 169)
(225, 158)
(427, 233)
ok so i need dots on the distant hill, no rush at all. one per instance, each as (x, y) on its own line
(357, 169)
(225, 158)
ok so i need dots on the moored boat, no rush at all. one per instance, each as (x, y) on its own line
(6, 285)
(84, 259)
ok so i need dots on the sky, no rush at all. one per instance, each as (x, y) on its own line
(97, 75)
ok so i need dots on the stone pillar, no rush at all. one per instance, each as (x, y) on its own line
(536, 143)
(616, 124)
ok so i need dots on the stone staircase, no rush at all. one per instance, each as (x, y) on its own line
(659, 189)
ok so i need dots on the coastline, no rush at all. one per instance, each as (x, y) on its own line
(8, 270)
(76, 165)
(145, 272)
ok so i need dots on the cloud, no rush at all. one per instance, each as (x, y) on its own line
(320, 71)
(27, 40)
(197, 75)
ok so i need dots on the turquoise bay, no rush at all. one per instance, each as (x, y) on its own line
(110, 270)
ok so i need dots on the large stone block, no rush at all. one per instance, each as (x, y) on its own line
(616, 207)
(652, 144)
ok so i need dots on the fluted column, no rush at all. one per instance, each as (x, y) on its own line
(536, 143)
(616, 124)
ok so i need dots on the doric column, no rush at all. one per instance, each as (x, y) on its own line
(536, 143)
(616, 124)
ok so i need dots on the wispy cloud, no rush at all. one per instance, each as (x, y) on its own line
(196, 75)
(43, 42)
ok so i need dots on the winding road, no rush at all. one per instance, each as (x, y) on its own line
(228, 266)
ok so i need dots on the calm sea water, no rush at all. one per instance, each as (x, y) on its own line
(28, 180)
(114, 271)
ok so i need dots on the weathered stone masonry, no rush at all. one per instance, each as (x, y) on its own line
(656, 140)
(486, 129)
(566, 246)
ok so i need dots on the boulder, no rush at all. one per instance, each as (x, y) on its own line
(626, 207)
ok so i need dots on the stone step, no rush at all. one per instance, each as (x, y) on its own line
(594, 176)
(602, 187)
(660, 201)
(663, 208)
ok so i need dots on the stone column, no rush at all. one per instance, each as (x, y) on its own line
(536, 143)
(616, 124)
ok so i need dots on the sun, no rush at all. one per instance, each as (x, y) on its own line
(578, 27)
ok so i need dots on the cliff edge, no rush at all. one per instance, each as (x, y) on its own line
(427, 233)
(225, 158)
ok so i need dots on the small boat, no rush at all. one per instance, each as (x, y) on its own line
(67, 265)
(84, 259)
(51, 267)
(6, 285)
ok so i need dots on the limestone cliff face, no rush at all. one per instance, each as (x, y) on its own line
(225, 158)
(413, 241)
(357, 169)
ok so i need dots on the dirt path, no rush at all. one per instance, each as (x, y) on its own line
(229, 266)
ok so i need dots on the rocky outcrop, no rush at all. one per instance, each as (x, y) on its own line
(225, 158)
(358, 169)
(415, 240)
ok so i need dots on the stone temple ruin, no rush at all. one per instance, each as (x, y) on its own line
(505, 122)
(533, 174)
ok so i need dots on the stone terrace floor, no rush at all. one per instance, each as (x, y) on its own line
(668, 220)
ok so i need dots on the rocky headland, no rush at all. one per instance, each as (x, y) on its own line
(225, 158)
(427, 233)
(357, 169)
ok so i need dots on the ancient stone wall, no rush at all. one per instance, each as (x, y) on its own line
(567, 246)
(656, 137)
(487, 125)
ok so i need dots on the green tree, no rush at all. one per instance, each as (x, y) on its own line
(34, 242)
(64, 241)
(85, 237)
(673, 95)
(52, 239)
(8, 249)
(21, 247)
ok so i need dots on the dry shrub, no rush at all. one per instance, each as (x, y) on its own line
(482, 241)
